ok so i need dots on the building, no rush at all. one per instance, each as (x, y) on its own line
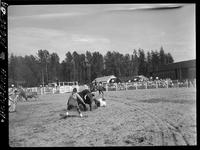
(107, 79)
(177, 71)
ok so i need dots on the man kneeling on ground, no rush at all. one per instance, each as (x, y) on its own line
(73, 102)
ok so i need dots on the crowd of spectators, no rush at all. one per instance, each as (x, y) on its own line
(152, 83)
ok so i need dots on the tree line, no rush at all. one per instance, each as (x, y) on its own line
(45, 67)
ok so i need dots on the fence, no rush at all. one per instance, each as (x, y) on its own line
(118, 86)
(150, 85)
(54, 90)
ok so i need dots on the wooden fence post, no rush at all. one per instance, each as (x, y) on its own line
(178, 83)
(44, 90)
(106, 86)
(187, 82)
(167, 84)
(41, 91)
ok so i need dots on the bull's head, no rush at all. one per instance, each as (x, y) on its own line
(89, 96)
(92, 98)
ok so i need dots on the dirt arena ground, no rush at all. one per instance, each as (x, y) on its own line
(131, 118)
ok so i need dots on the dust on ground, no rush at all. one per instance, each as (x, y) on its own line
(150, 117)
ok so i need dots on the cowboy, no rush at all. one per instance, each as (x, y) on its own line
(73, 101)
(100, 89)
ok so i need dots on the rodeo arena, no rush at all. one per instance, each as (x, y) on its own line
(110, 111)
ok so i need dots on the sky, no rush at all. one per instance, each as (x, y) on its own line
(102, 28)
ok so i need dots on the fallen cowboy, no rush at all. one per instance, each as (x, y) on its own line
(101, 102)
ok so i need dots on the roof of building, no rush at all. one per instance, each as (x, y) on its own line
(104, 79)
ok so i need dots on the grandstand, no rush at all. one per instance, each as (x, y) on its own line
(176, 71)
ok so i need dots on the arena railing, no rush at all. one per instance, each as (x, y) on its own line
(120, 86)
(150, 85)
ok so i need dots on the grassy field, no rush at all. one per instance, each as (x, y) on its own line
(131, 118)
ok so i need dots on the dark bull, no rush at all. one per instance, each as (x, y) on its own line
(88, 98)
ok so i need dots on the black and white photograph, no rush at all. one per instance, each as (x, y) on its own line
(101, 75)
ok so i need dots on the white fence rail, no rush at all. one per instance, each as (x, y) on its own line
(118, 86)
(150, 85)
(54, 90)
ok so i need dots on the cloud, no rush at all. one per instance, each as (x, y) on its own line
(88, 39)
(102, 31)
(34, 32)
(101, 9)
(25, 41)
(132, 7)
(48, 16)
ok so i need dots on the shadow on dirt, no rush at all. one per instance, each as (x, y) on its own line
(63, 116)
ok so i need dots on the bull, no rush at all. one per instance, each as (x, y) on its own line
(88, 98)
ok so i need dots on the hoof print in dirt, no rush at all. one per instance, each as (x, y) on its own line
(110, 142)
(135, 140)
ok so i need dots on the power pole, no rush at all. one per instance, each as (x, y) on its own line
(47, 80)
(88, 70)
(74, 69)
